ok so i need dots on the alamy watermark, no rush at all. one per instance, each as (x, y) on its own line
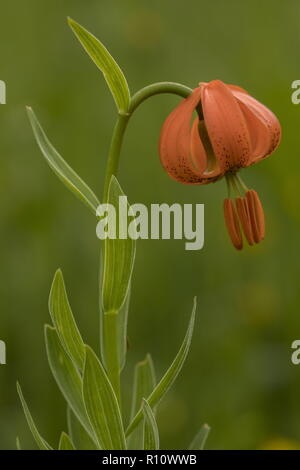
(2, 352)
(295, 357)
(161, 221)
(2, 92)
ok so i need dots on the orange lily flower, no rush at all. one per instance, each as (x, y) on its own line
(232, 130)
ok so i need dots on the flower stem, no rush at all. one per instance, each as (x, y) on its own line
(158, 89)
(121, 124)
(115, 150)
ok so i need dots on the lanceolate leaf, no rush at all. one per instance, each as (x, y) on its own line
(119, 254)
(168, 379)
(199, 440)
(40, 441)
(101, 57)
(78, 434)
(151, 435)
(143, 384)
(65, 442)
(67, 376)
(64, 322)
(60, 167)
(102, 405)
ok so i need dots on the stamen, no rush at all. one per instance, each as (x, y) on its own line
(243, 213)
(233, 184)
(232, 224)
(256, 215)
(241, 183)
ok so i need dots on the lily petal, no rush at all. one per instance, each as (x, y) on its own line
(237, 88)
(226, 125)
(175, 144)
(201, 150)
(263, 125)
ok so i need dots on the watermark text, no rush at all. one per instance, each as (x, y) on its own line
(161, 221)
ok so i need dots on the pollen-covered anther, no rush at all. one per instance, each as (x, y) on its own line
(256, 214)
(232, 224)
(244, 216)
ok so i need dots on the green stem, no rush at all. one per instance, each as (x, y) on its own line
(121, 125)
(111, 348)
(110, 329)
(115, 150)
(158, 89)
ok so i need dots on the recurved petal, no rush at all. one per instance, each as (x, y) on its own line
(202, 152)
(237, 88)
(232, 224)
(226, 125)
(264, 127)
(175, 144)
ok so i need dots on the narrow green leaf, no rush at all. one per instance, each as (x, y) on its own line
(65, 442)
(119, 254)
(40, 441)
(64, 322)
(61, 168)
(102, 405)
(113, 75)
(67, 376)
(199, 440)
(170, 376)
(151, 435)
(78, 434)
(18, 444)
(143, 384)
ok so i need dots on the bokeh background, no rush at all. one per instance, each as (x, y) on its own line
(239, 377)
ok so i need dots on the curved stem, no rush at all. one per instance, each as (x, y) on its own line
(158, 89)
(114, 152)
(120, 127)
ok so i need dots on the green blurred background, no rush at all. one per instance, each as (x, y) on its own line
(238, 377)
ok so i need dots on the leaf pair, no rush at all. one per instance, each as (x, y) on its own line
(94, 410)
(90, 395)
(120, 91)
